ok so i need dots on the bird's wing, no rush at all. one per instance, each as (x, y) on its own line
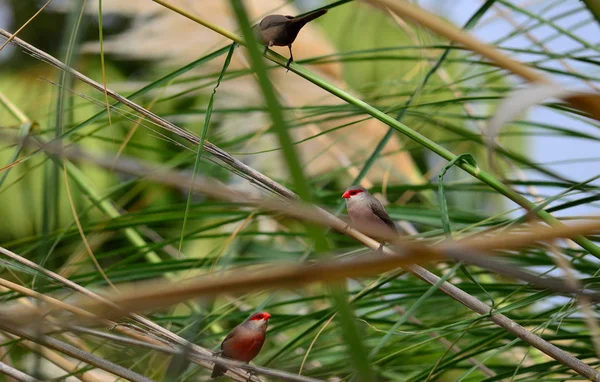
(231, 334)
(378, 210)
(266, 24)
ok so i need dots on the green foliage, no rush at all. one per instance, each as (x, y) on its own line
(391, 327)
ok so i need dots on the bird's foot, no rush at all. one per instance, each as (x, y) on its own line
(251, 374)
(266, 49)
(380, 249)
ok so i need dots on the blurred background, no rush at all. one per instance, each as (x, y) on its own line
(139, 230)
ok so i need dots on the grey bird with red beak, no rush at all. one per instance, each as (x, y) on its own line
(280, 30)
(244, 342)
(368, 214)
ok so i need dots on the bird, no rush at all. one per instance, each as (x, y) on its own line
(244, 342)
(280, 30)
(367, 213)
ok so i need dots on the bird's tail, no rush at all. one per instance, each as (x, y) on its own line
(309, 17)
(218, 371)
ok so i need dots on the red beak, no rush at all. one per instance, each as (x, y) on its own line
(267, 316)
(346, 195)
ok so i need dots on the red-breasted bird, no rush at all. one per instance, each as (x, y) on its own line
(244, 342)
(280, 30)
(367, 213)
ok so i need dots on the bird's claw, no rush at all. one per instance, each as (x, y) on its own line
(287, 66)
(380, 249)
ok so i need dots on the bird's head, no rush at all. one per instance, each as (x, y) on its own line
(355, 192)
(259, 320)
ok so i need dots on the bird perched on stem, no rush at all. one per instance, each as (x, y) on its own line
(280, 30)
(367, 213)
(244, 342)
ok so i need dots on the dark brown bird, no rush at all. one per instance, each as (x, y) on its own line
(367, 213)
(280, 30)
(244, 342)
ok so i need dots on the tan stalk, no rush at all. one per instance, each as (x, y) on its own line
(501, 241)
(587, 103)
(463, 297)
(25, 24)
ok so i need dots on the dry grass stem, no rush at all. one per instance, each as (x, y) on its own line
(403, 254)
(587, 103)
(149, 326)
(16, 374)
(35, 336)
(283, 277)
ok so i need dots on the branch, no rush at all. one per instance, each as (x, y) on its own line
(72, 351)
(588, 103)
(468, 250)
(16, 374)
(141, 341)
(191, 137)
(235, 373)
(373, 265)
(54, 357)
(215, 359)
(461, 296)
(300, 276)
(167, 294)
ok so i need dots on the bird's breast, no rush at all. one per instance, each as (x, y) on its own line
(243, 347)
(365, 219)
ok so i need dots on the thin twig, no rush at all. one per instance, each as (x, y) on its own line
(219, 360)
(466, 250)
(453, 33)
(16, 374)
(72, 351)
(172, 294)
(535, 41)
(209, 147)
(25, 24)
(587, 104)
(142, 341)
(236, 373)
(585, 304)
(57, 359)
(449, 345)
(286, 277)
(90, 252)
(461, 296)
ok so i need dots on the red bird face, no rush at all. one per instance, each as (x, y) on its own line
(260, 316)
(352, 192)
